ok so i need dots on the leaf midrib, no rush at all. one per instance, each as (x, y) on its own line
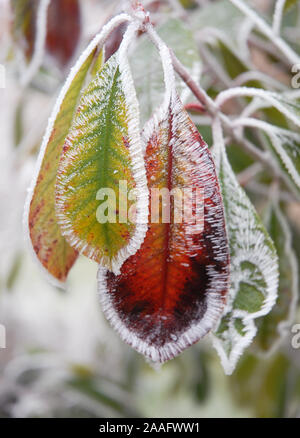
(168, 225)
(104, 154)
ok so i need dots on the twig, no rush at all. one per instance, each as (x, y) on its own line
(264, 45)
(212, 108)
(264, 190)
(263, 156)
(277, 17)
(247, 76)
(281, 45)
(253, 151)
(39, 46)
(196, 107)
(198, 92)
(249, 173)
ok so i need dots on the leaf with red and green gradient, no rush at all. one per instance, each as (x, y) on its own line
(103, 147)
(51, 249)
(172, 291)
(63, 29)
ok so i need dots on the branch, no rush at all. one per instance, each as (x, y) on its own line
(39, 45)
(281, 45)
(264, 190)
(198, 92)
(277, 17)
(247, 175)
(212, 108)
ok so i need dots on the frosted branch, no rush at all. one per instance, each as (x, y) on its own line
(39, 45)
(284, 48)
(277, 17)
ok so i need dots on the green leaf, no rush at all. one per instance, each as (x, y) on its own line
(233, 65)
(238, 158)
(147, 70)
(274, 327)
(51, 249)
(14, 271)
(254, 271)
(103, 147)
(94, 389)
(289, 4)
(267, 378)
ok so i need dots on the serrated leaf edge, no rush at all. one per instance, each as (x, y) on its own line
(137, 167)
(229, 363)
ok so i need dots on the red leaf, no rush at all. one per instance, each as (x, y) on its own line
(63, 29)
(173, 290)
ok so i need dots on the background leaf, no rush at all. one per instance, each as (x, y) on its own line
(63, 29)
(268, 378)
(288, 105)
(254, 269)
(285, 146)
(24, 25)
(223, 19)
(147, 70)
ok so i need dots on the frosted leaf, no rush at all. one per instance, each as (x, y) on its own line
(172, 291)
(48, 246)
(254, 266)
(103, 147)
(284, 145)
